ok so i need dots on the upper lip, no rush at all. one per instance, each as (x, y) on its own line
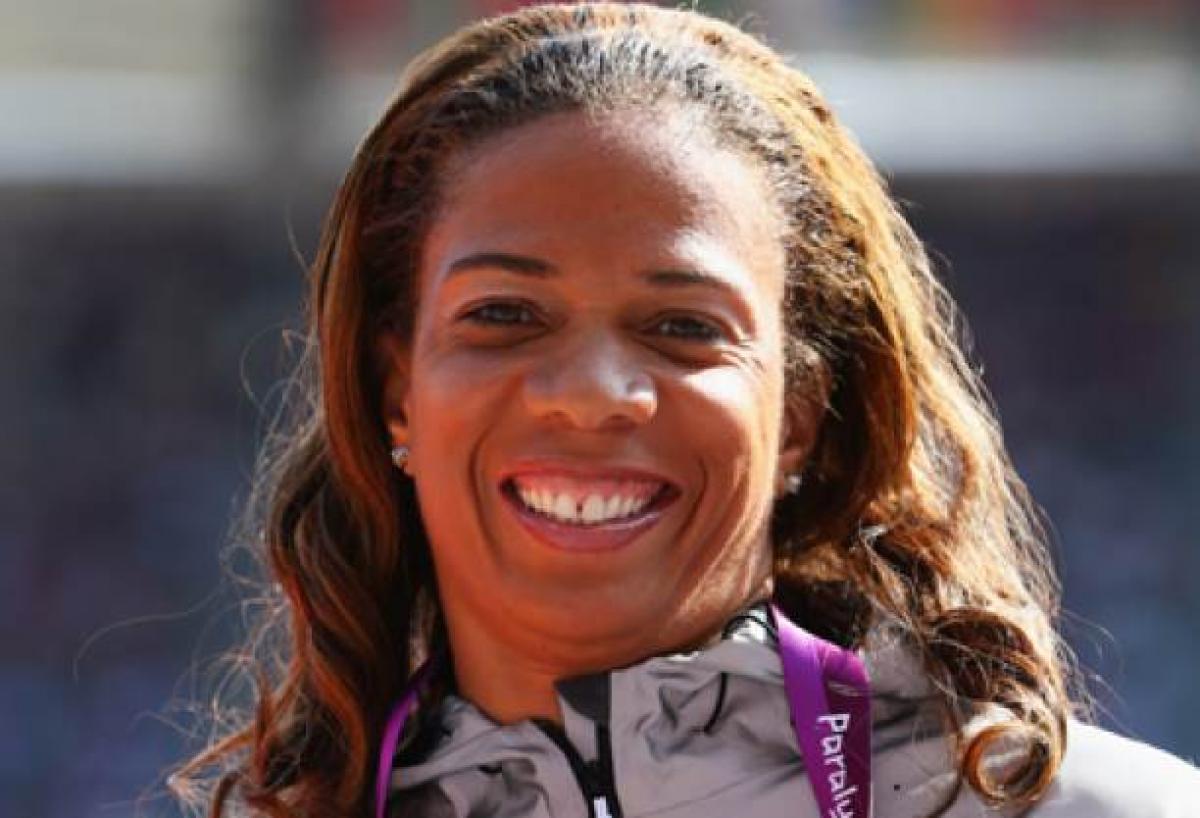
(582, 471)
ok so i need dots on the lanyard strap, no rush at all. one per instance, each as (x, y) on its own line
(828, 695)
(830, 699)
(391, 734)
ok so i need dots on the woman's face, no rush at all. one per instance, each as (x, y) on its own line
(593, 395)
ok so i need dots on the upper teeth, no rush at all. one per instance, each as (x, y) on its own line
(590, 509)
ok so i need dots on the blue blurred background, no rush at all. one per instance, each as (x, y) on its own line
(163, 162)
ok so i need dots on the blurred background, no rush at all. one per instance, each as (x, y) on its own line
(164, 165)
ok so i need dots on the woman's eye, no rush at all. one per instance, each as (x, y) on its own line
(502, 313)
(687, 328)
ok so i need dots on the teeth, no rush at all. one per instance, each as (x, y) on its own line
(564, 508)
(593, 509)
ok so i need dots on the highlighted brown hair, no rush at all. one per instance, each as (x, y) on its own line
(911, 507)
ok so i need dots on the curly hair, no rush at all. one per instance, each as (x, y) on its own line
(911, 506)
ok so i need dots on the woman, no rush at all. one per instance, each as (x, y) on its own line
(623, 366)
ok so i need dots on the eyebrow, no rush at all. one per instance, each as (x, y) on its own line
(522, 265)
(537, 268)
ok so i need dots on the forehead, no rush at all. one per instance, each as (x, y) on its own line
(622, 187)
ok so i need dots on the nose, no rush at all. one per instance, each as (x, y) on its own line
(591, 383)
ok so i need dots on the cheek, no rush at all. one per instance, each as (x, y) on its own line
(734, 414)
(456, 400)
(454, 395)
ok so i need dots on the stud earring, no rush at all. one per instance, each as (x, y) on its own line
(400, 458)
(792, 483)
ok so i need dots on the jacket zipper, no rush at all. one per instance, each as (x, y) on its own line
(595, 778)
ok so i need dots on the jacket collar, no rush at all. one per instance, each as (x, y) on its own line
(663, 700)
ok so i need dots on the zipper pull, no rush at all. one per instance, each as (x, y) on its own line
(600, 807)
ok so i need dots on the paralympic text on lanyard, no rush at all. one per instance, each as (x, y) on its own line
(829, 697)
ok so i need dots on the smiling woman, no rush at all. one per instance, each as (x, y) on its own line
(640, 439)
(598, 326)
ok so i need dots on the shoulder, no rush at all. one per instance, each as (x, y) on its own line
(1104, 774)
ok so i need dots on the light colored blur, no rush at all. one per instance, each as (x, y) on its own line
(187, 91)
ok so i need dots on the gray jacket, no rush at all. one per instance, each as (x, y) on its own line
(708, 734)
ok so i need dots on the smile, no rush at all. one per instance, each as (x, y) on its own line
(594, 511)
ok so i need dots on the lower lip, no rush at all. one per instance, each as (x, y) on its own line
(588, 537)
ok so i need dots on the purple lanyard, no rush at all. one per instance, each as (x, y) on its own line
(391, 734)
(829, 697)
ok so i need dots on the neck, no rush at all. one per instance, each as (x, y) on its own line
(512, 679)
(509, 689)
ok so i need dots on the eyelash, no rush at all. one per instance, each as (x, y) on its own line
(476, 315)
(708, 331)
(701, 330)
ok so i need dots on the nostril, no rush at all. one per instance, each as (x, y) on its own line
(597, 387)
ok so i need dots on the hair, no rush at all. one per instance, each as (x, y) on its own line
(910, 507)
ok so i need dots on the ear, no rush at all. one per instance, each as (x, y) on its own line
(803, 413)
(393, 363)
